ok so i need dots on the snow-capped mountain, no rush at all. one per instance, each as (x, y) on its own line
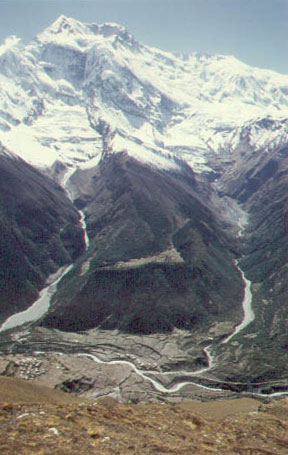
(178, 164)
(79, 88)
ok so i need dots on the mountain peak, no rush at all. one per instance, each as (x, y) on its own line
(71, 31)
(66, 25)
(65, 28)
(71, 26)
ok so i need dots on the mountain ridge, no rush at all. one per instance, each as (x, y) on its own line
(153, 108)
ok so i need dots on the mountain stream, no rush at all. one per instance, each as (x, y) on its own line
(41, 305)
(249, 315)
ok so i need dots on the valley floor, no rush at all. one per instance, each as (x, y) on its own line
(173, 367)
(133, 368)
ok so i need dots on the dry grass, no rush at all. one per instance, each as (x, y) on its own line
(38, 420)
(21, 392)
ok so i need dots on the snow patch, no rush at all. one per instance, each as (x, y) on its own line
(9, 43)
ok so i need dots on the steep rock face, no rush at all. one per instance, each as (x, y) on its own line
(39, 232)
(158, 258)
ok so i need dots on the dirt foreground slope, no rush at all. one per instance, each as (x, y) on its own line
(39, 420)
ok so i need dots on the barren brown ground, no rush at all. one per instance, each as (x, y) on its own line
(39, 420)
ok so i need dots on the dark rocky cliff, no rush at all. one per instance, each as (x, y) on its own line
(39, 232)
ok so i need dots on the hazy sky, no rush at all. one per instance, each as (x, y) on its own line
(255, 31)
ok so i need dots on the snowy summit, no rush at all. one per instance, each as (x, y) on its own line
(78, 86)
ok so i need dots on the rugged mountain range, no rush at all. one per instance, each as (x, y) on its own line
(179, 163)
